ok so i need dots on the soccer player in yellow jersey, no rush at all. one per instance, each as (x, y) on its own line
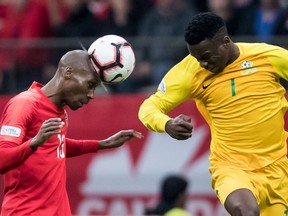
(236, 88)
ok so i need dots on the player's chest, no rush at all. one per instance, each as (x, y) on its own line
(43, 115)
(246, 80)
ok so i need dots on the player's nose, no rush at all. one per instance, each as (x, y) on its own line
(91, 93)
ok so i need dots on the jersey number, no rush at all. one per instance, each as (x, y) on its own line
(60, 148)
(233, 87)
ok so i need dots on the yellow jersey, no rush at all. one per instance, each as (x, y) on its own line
(177, 212)
(244, 105)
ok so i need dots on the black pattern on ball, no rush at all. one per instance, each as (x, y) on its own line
(116, 63)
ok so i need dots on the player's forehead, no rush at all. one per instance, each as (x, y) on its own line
(86, 75)
(199, 50)
(87, 71)
(92, 76)
(204, 48)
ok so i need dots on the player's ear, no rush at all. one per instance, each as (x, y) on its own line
(67, 72)
(226, 41)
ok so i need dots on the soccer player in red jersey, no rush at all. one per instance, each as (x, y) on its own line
(33, 142)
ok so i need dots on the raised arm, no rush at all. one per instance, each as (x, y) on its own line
(80, 147)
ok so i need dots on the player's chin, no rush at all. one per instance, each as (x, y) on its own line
(215, 70)
(218, 69)
(75, 106)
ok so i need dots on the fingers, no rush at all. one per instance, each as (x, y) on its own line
(119, 139)
(52, 126)
(185, 118)
(48, 128)
(138, 135)
(131, 133)
(180, 127)
(182, 136)
(185, 127)
(52, 120)
(183, 123)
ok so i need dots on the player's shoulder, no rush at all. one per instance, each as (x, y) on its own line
(189, 61)
(181, 71)
(22, 105)
(258, 47)
(25, 99)
(187, 65)
(28, 95)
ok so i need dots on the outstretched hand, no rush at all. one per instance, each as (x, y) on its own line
(179, 128)
(119, 139)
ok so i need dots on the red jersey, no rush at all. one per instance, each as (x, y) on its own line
(37, 184)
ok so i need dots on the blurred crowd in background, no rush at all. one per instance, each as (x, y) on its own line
(36, 33)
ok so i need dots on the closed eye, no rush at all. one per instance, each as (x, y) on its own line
(92, 85)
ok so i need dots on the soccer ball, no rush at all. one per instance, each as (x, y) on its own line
(112, 57)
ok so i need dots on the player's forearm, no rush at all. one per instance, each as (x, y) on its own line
(152, 117)
(13, 155)
(79, 147)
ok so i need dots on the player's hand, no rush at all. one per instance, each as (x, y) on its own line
(119, 139)
(49, 127)
(179, 128)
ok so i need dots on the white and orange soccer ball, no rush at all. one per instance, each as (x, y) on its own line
(112, 57)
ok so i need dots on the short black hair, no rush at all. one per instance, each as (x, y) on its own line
(172, 186)
(203, 26)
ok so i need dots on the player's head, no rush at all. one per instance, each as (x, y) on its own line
(208, 41)
(77, 78)
(173, 189)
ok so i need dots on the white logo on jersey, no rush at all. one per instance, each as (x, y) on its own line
(162, 86)
(248, 66)
(10, 131)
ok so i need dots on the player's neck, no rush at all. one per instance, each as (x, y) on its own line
(235, 52)
(52, 92)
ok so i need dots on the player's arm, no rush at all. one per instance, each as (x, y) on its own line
(172, 91)
(19, 113)
(80, 147)
(279, 58)
(13, 149)
(13, 155)
(154, 117)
